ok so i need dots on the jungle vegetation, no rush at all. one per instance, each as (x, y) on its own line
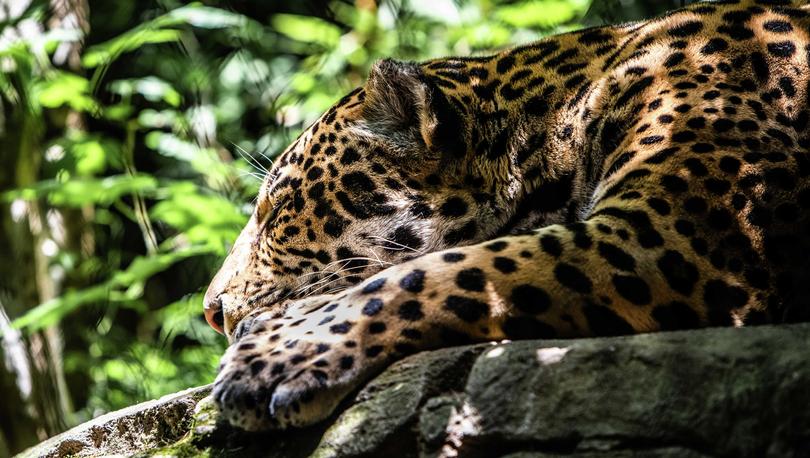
(133, 137)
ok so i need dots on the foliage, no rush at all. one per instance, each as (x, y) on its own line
(182, 107)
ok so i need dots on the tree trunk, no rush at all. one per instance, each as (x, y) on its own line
(31, 410)
(36, 401)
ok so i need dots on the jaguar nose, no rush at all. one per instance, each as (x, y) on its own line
(213, 314)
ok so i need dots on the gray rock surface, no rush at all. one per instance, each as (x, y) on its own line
(704, 393)
(128, 431)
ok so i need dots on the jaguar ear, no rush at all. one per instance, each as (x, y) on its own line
(405, 107)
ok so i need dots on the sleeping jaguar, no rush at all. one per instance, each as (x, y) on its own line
(635, 178)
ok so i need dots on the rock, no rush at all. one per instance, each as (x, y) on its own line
(703, 393)
(144, 426)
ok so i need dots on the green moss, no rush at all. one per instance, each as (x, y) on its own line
(192, 444)
(184, 448)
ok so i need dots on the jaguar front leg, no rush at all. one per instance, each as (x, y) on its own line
(613, 274)
(276, 364)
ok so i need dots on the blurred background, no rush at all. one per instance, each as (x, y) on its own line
(133, 137)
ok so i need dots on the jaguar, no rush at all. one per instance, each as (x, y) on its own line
(635, 178)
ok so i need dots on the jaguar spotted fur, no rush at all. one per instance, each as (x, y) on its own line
(624, 179)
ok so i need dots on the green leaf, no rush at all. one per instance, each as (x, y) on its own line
(110, 50)
(64, 89)
(544, 14)
(78, 192)
(206, 17)
(118, 112)
(141, 269)
(203, 160)
(144, 267)
(444, 11)
(158, 119)
(485, 36)
(159, 30)
(151, 88)
(49, 313)
(202, 218)
(307, 29)
(91, 154)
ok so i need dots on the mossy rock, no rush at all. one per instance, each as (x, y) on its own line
(712, 392)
